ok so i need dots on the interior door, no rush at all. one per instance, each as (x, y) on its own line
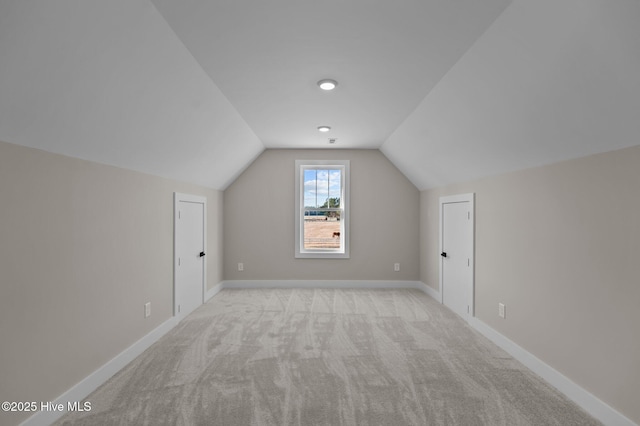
(456, 257)
(189, 254)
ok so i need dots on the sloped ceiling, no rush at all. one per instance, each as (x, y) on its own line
(549, 81)
(194, 90)
(267, 56)
(108, 81)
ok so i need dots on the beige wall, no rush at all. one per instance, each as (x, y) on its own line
(82, 247)
(259, 221)
(560, 246)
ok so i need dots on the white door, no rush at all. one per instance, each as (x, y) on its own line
(190, 251)
(456, 253)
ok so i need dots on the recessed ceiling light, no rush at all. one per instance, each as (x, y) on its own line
(327, 84)
(324, 128)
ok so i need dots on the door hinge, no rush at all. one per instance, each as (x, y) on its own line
(179, 214)
(178, 261)
(469, 215)
(468, 262)
(468, 310)
(178, 308)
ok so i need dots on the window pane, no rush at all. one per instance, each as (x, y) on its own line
(321, 230)
(334, 188)
(322, 188)
(310, 188)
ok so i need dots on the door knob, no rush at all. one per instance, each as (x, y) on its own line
(201, 254)
(443, 254)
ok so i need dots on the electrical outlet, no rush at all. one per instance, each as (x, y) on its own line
(501, 310)
(396, 267)
(240, 267)
(147, 309)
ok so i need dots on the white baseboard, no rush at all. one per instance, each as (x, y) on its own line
(587, 401)
(212, 292)
(430, 291)
(90, 383)
(591, 404)
(321, 284)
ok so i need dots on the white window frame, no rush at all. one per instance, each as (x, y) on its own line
(300, 251)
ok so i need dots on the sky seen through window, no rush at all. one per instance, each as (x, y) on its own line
(320, 185)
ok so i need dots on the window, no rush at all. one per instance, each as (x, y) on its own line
(322, 215)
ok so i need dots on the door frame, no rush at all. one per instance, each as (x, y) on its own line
(188, 198)
(460, 198)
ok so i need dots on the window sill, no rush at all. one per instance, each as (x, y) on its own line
(322, 255)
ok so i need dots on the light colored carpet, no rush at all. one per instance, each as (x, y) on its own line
(326, 357)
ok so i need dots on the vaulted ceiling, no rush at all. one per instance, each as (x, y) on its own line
(194, 90)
